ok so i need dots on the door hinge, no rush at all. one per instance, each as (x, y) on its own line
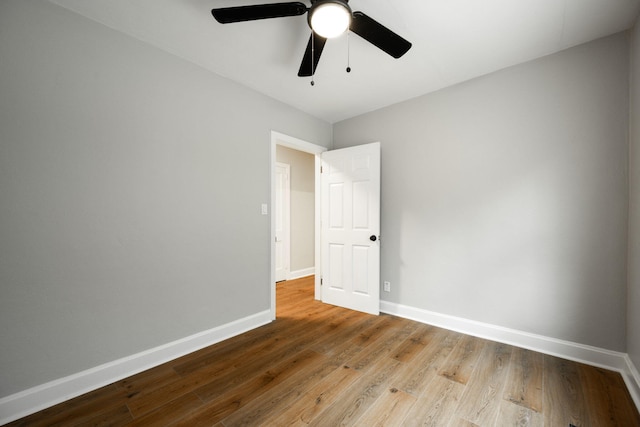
(321, 281)
(320, 169)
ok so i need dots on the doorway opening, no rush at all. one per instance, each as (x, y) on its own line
(290, 150)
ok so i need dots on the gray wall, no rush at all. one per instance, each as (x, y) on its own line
(302, 206)
(130, 186)
(504, 199)
(633, 299)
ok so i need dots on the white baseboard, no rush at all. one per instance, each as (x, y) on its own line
(302, 273)
(32, 400)
(632, 379)
(590, 355)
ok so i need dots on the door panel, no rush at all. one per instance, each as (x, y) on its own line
(336, 208)
(336, 266)
(350, 216)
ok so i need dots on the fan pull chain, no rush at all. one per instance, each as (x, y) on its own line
(313, 55)
(348, 51)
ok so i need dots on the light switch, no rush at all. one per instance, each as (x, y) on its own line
(265, 209)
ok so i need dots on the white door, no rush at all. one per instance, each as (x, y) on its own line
(351, 227)
(282, 214)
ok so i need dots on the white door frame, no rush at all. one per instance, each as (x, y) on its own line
(278, 138)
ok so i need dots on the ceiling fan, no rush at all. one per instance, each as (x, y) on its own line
(327, 19)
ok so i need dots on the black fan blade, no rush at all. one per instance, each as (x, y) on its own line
(228, 15)
(379, 35)
(316, 44)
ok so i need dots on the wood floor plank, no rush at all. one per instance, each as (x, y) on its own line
(317, 398)
(114, 417)
(389, 410)
(524, 382)
(265, 403)
(216, 410)
(511, 414)
(564, 401)
(342, 329)
(324, 365)
(314, 312)
(149, 380)
(225, 351)
(219, 385)
(246, 392)
(459, 422)
(436, 405)
(415, 343)
(483, 394)
(462, 360)
(606, 396)
(148, 400)
(169, 412)
(351, 404)
(383, 345)
(426, 364)
(382, 324)
(275, 401)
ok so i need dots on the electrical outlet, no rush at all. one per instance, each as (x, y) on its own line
(386, 286)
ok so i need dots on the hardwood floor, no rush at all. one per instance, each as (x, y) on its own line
(325, 366)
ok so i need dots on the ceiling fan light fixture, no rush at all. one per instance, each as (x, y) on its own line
(330, 18)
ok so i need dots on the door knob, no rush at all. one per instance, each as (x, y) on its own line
(373, 238)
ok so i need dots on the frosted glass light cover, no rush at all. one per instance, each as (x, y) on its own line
(330, 20)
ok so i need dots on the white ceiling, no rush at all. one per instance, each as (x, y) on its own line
(453, 41)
